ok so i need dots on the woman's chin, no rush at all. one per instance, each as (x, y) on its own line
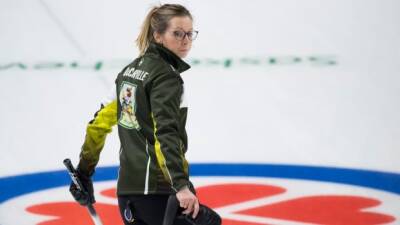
(183, 54)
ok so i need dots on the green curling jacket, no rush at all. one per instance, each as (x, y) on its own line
(150, 110)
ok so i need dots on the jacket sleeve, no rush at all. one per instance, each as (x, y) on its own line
(165, 97)
(96, 132)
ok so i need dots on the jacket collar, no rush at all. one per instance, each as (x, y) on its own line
(168, 56)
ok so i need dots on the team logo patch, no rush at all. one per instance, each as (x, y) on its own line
(128, 106)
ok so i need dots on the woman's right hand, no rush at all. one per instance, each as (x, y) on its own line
(188, 201)
(86, 196)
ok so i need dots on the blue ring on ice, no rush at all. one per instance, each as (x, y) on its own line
(14, 186)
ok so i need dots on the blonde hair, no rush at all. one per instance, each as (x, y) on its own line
(157, 20)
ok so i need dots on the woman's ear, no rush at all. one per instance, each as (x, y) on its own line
(157, 37)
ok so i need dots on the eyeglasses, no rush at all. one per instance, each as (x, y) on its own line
(180, 35)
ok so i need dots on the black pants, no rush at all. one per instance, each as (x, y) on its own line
(150, 209)
(145, 210)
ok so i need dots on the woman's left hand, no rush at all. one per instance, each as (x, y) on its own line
(188, 201)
